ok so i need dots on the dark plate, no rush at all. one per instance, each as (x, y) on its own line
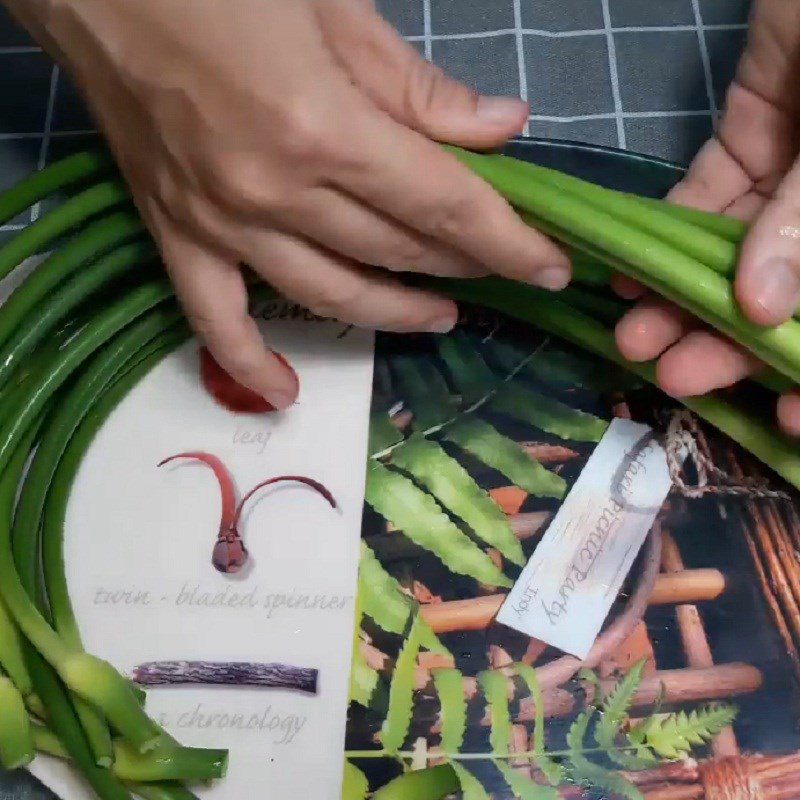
(608, 166)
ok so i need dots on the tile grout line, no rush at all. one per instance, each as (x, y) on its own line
(47, 133)
(521, 65)
(623, 114)
(9, 136)
(573, 33)
(706, 59)
(614, 74)
(427, 24)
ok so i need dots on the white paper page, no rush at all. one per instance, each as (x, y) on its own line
(135, 528)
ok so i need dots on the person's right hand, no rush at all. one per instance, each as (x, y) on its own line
(750, 169)
(295, 136)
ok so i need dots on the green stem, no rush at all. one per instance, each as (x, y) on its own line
(40, 234)
(45, 741)
(68, 297)
(588, 270)
(12, 659)
(166, 762)
(58, 429)
(192, 764)
(664, 268)
(48, 181)
(730, 228)
(94, 680)
(759, 437)
(53, 470)
(16, 740)
(93, 241)
(162, 791)
(60, 713)
(185, 763)
(654, 218)
(54, 516)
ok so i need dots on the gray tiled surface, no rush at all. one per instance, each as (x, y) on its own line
(723, 48)
(471, 16)
(642, 74)
(566, 15)
(578, 65)
(487, 63)
(715, 12)
(663, 12)
(661, 72)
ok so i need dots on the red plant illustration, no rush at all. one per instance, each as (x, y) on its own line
(229, 393)
(230, 554)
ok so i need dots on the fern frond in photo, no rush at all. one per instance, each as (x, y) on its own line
(478, 775)
(455, 413)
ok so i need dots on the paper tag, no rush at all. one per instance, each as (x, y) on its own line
(567, 588)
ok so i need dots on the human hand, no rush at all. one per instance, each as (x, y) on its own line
(295, 136)
(751, 170)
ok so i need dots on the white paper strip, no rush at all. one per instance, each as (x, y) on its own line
(567, 588)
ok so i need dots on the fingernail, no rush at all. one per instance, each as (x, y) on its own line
(553, 278)
(779, 290)
(498, 109)
(282, 358)
(279, 398)
(442, 325)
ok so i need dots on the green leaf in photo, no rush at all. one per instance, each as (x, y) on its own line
(414, 512)
(401, 692)
(484, 442)
(549, 415)
(449, 684)
(457, 491)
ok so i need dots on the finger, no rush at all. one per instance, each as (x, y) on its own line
(412, 90)
(647, 330)
(759, 133)
(326, 283)
(626, 287)
(768, 278)
(346, 226)
(789, 413)
(329, 216)
(702, 362)
(333, 287)
(714, 180)
(413, 180)
(214, 297)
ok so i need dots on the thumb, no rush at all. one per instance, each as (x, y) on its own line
(410, 89)
(768, 278)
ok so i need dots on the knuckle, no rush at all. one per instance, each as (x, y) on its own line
(205, 326)
(168, 195)
(237, 181)
(196, 212)
(428, 90)
(452, 218)
(338, 299)
(302, 130)
(404, 253)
